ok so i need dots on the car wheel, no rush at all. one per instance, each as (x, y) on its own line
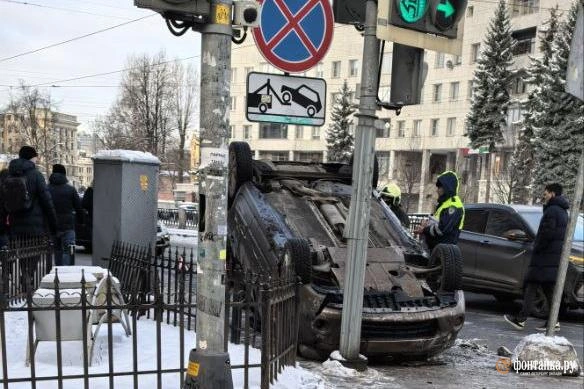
(299, 252)
(449, 278)
(263, 108)
(286, 97)
(539, 307)
(375, 178)
(240, 167)
(310, 111)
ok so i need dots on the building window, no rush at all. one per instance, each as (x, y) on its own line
(401, 128)
(384, 130)
(417, 127)
(320, 70)
(353, 68)
(308, 156)
(246, 132)
(386, 65)
(273, 131)
(523, 7)
(434, 127)
(474, 52)
(518, 87)
(470, 91)
(439, 61)
(274, 155)
(299, 132)
(336, 69)
(233, 75)
(383, 161)
(231, 131)
(454, 87)
(525, 41)
(316, 133)
(437, 93)
(233, 102)
(457, 60)
(451, 126)
(469, 11)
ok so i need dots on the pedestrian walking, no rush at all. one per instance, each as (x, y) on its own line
(27, 208)
(545, 259)
(67, 206)
(445, 225)
(391, 195)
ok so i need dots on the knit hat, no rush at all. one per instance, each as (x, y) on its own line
(27, 152)
(58, 168)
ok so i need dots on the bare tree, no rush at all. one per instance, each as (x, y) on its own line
(409, 172)
(184, 103)
(508, 181)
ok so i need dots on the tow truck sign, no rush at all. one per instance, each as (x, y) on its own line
(285, 99)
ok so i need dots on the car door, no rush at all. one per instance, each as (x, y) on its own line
(500, 261)
(475, 221)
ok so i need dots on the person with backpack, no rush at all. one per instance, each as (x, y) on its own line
(26, 204)
(67, 206)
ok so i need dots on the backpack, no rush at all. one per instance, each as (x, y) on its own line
(15, 195)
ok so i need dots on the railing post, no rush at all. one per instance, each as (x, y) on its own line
(266, 335)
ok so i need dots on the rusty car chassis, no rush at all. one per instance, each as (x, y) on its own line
(292, 214)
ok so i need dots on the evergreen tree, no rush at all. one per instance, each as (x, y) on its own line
(558, 124)
(340, 142)
(492, 82)
(523, 161)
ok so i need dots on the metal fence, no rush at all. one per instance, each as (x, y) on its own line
(144, 295)
(184, 219)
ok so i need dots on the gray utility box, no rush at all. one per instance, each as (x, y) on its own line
(125, 198)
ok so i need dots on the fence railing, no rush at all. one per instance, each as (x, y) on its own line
(184, 219)
(136, 319)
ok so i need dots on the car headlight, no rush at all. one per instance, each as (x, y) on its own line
(577, 260)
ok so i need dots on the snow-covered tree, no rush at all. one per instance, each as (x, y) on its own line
(340, 141)
(558, 124)
(492, 84)
(523, 161)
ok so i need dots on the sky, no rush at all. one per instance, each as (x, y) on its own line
(40, 23)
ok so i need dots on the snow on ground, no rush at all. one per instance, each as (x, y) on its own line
(17, 327)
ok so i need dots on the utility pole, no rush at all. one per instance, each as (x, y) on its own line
(358, 230)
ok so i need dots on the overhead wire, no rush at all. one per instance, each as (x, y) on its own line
(62, 9)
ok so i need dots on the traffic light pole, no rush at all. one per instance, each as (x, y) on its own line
(209, 365)
(358, 229)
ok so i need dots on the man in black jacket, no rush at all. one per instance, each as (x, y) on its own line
(67, 204)
(547, 250)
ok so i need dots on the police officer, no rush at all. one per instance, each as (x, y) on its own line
(391, 195)
(448, 219)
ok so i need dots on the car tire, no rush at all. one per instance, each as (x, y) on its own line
(286, 97)
(449, 278)
(299, 252)
(540, 306)
(311, 110)
(240, 168)
(375, 178)
(263, 108)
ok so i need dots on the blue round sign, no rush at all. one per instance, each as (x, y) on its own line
(294, 35)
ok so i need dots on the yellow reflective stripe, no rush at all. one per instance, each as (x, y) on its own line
(576, 259)
(451, 202)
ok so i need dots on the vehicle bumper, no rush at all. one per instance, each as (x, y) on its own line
(574, 286)
(413, 334)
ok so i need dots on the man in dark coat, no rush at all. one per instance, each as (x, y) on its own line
(547, 250)
(448, 218)
(67, 205)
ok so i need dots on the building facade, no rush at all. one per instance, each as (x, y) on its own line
(425, 139)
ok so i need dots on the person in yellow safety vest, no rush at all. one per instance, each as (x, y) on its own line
(448, 218)
(391, 195)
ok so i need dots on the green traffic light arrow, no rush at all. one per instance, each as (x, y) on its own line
(447, 9)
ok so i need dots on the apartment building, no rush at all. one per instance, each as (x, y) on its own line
(425, 139)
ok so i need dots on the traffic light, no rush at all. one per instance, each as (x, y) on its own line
(196, 11)
(439, 17)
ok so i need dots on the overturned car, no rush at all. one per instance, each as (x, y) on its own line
(293, 214)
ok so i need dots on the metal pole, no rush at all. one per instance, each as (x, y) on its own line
(565, 258)
(209, 364)
(358, 229)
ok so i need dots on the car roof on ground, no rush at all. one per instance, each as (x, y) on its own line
(516, 207)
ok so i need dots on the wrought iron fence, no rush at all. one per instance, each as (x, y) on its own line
(148, 300)
(171, 217)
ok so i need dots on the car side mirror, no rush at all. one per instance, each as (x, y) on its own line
(518, 235)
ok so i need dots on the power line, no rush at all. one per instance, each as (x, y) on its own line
(62, 9)
(74, 39)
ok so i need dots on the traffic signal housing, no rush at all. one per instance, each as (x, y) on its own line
(439, 17)
(196, 11)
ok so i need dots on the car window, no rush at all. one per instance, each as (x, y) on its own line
(501, 222)
(475, 220)
(308, 93)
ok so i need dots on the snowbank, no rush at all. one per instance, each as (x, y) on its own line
(127, 155)
(538, 352)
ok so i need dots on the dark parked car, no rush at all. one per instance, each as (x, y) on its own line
(293, 215)
(497, 243)
(162, 238)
